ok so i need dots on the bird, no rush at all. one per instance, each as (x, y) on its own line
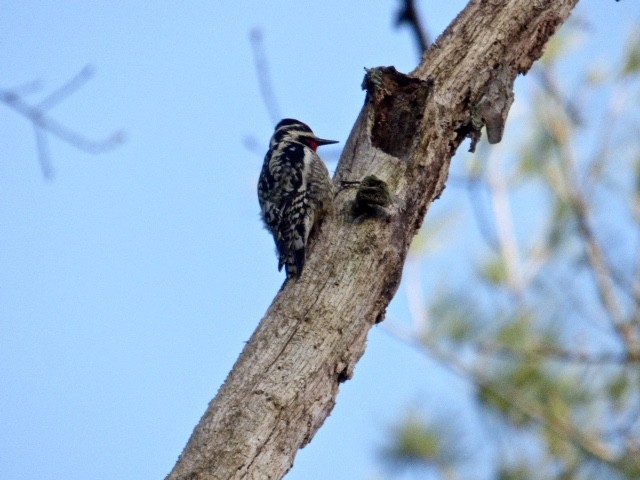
(294, 191)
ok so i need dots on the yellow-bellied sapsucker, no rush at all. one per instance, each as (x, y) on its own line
(294, 191)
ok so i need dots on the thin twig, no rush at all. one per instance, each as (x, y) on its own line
(264, 77)
(504, 226)
(409, 15)
(36, 116)
(59, 94)
(547, 352)
(43, 123)
(43, 152)
(595, 255)
(592, 447)
(551, 88)
(602, 272)
(28, 88)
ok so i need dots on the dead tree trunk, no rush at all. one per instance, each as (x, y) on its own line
(286, 380)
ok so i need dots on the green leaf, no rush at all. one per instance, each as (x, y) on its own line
(560, 224)
(632, 58)
(454, 317)
(414, 442)
(494, 271)
(515, 333)
(617, 389)
(520, 471)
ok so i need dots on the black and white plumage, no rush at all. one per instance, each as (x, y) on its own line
(294, 191)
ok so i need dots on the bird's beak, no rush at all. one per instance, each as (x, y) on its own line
(322, 141)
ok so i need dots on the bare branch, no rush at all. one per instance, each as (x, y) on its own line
(504, 226)
(43, 152)
(589, 444)
(548, 83)
(554, 352)
(28, 88)
(409, 15)
(54, 127)
(601, 270)
(264, 77)
(43, 123)
(603, 273)
(67, 89)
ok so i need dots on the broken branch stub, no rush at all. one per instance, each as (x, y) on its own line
(398, 103)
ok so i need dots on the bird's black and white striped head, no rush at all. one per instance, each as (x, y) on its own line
(291, 130)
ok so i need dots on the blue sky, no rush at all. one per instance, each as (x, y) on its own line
(130, 282)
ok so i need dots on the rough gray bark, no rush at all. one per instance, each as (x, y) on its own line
(286, 379)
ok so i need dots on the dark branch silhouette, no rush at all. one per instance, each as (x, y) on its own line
(44, 124)
(264, 78)
(409, 15)
(43, 152)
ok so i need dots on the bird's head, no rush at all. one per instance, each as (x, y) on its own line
(292, 130)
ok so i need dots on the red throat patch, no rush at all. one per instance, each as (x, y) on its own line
(311, 143)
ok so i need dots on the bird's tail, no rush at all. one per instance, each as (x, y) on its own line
(292, 251)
